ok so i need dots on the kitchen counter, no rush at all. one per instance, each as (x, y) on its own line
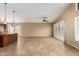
(6, 39)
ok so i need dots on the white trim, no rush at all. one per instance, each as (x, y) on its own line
(72, 45)
(76, 6)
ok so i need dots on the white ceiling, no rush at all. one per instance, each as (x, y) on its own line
(33, 12)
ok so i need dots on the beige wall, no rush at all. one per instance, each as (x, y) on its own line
(69, 17)
(36, 29)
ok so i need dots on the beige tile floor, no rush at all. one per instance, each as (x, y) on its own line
(38, 47)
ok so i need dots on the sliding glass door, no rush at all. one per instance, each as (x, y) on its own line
(59, 30)
(77, 29)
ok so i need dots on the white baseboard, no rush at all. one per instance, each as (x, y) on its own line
(34, 36)
(73, 45)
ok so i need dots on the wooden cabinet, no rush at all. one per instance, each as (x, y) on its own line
(7, 39)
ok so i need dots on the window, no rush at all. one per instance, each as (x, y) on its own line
(59, 30)
(14, 29)
(18, 29)
(10, 29)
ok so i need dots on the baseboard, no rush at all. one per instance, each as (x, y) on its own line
(58, 39)
(72, 45)
(35, 36)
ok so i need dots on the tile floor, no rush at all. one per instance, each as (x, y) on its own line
(38, 47)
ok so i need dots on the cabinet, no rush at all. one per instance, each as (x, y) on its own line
(7, 39)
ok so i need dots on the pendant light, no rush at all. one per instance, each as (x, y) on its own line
(13, 24)
(5, 14)
(13, 18)
(4, 23)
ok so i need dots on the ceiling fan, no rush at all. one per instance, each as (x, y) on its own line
(45, 19)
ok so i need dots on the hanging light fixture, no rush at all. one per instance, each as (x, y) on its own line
(45, 19)
(5, 14)
(13, 24)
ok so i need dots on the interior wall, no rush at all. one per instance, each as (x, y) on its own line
(36, 29)
(69, 17)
